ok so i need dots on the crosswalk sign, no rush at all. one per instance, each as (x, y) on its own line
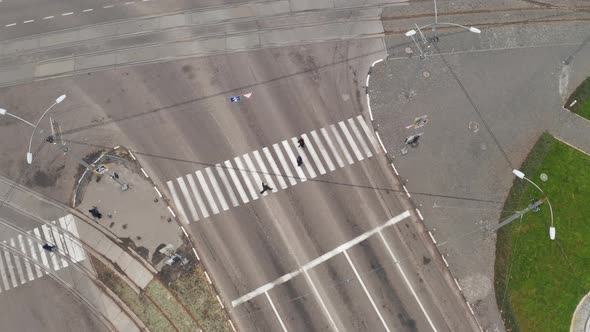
(101, 169)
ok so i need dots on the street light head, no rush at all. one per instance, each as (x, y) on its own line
(410, 33)
(60, 99)
(518, 173)
(552, 233)
(29, 158)
(474, 30)
(2, 111)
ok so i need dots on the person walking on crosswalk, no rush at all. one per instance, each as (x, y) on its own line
(299, 161)
(265, 187)
(301, 142)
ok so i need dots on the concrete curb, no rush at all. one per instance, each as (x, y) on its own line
(579, 324)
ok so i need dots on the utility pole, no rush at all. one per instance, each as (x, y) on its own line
(518, 214)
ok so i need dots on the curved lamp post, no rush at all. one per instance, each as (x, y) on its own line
(29, 154)
(521, 175)
(5, 112)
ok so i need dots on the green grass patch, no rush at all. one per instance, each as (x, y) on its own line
(582, 95)
(181, 319)
(539, 282)
(193, 291)
(141, 306)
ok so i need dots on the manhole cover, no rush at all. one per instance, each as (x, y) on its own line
(474, 126)
(409, 50)
(426, 74)
(544, 177)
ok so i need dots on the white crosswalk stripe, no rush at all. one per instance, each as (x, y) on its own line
(28, 268)
(50, 239)
(17, 263)
(246, 178)
(10, 267)
(228, 188)
(264, 171)
(176, 200)
(314, 155)
(40, 247)
(360, 138)
(306, 161)
(341, 144)
(200, 202)
(351, 142)
(253, 172)
(208, 195)
(293, 159)
(216, 189)
(33, 247)
(369, 133)
(234, 176)
(59, 241)
(332, 147)
(79, 254)
(285, 164)
(323, 151)
(3, 273)
(274, 167)
(187, 198)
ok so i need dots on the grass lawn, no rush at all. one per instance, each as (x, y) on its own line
(582, 95)
(539, 282)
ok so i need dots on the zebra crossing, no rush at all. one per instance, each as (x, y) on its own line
(16, 271)
(214, 189)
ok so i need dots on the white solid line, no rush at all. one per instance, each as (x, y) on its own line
(360, 138)
(216, 188)
(208, 279)
(172, 212)
(177, 202)
(144, 173)
(419, 214)
(341, 144)
(35, 257)
(10, 269)
(236, 180)
(307, 164)
(406, 190)
(129, 2)
(221, 303)
(351, 142)
(323, 150)
(108, 6)
(276, 312)
(376, 62)
(48, 17)
(317, 294)
(369, 106)
(27, 263)
(319, 259)
(332, 147)
(293, 159)
(228, 188)
(367, 83)
(184, 231)
(284, 163)
(394, 169)
(407, 281)
(470, 309)
(274, 167)
(314, 155)
(3, 274)
(187, 198)
(28, 21)
(366, 291)
(432, 237)
(381, 142)
(444, 260)
(246, 178)
(159, 194)
(229, 320)
(200, 202)
(86, 11)
(264, 170)
(60, 244)
(19, 266)
(457, 283)
(208, 194)
(368, 133)
(131, 154)
(67, 14)
(41, 250)
(10, 25)
(253, 172)
(196, 255)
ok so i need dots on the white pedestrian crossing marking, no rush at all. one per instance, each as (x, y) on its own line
(3, 274)
(59, 241)
(10, 268)
(351, 142)
(40, 247)
(28, 268)
(32, 247)
(17, 263)
(325, 150)
(50, 239)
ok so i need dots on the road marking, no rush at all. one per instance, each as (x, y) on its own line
(317, 294)
(157, 191)
(284, 163)
(67, 14)
(108, 6)
(394, 169)
(236, 180)
(381, 142)
(187, 197)
(200, 202)
(27, 263)
(10, 25)
(69, 224)
(48, 17)
(293, 159)
(86, 11)
(60, 245)
(319, 260)
(50, 239)
(406, 190)
(322, 150)
(18, 264)
(28, 21)
(265, 173)
(274, 167)
(216, 188)
(10, 269)
(407, 281)
(306, 162)
(276, 312)
(34, 255)
(341, 144)
(332, 147)
(368, 132)
(419, 214)
(253, 171)
(314, 155)
(360, 138)
(171, 212)
(220, 303)
(41, 250)
(432, 237)
(246, 178)
(176, 200)
(3, 274)
(366, 291)
(351, 142)
(228, 188)
(129, 2)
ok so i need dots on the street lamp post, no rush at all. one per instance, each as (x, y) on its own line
(29, 154)
(521, 175)
(5, 112)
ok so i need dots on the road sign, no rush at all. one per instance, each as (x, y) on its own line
(101, 169)
(248, 95)
(234, 99)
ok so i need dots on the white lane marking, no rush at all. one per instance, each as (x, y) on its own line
(323, 150)
(129, 2)
(200, 202)
(158, 191)
(28, 21)
(394, 169)
(236, 180)
(60, 245)
(406, 190)
(360, 138)
(351, 142)
(176, 200)
(18, 264)
(208, 194)
(10, 268)
(108, 6)
(314, 155)
(291, 156)
(216, 188)
(228, 188)
(317, 294)
(319, 260)
(419, 214)
(366, 291)
(27, 263)
(253, 172)
(48, 17)
(264, 170)
(187, 197)
(401, 271)
(171, 212)
(87, 10)
(67, 14)
(332, 147)
(50, 239)
(3, 274)
(246, 178)
(10, 25)
(276, 312)
(284, 163)
(341, 144)
(274, 167)
(381, 142)
(144, 172)
(35, 257)
(41, 250)
(306, 162)
(368, 132)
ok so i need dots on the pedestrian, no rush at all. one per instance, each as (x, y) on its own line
(299, 161)
(265, 187)
(116, 175)
(301, 142)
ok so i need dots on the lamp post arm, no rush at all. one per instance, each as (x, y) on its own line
(541, 190)
(21, 119)
(37, 124)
